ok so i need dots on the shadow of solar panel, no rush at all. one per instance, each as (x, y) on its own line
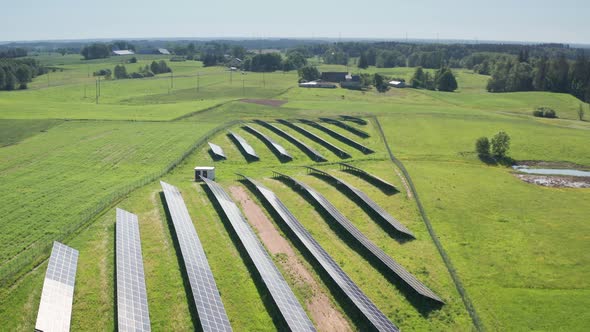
(360, 300)
(55, 308)
(346, 126)
(338, 151)
(338, 136)
(311, 152)
(369, 202)
(132, 304)
(247, 148)
(354, 119)
(276, 146)
(288, 305)
(210, 309)
(392, 265)
(373, 178)
(217, 150)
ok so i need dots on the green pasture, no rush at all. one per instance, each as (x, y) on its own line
(520, 250)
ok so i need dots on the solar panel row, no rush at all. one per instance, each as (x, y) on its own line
(374, 178)
(288, 305)
(247, 148)
(217, 150)
(354, 119)
(346, 126)
(210, 309)
(312, 153)
(377, 252)
(132, 304)
(369, 202)
(338, 151)
(276, 146)
(55, 308)
(352, 291)
(338, 136)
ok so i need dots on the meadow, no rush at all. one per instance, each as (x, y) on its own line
(520, 250)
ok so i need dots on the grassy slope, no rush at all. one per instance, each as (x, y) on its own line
(510, 262)
(60, 181)
(516, 246)
(14, 131)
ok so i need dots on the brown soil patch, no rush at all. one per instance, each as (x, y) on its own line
(323, 312)
(265, 102)
(555, 181)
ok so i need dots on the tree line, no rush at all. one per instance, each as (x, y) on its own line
(120, 71)
(17, 73)
(16, 52)
(542, 74)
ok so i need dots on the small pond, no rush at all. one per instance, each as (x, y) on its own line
(551, 171)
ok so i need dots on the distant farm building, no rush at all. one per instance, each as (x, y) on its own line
(346, 80)
(123, 52)
(334, 76)
(163, 51)
(397, 84)
(317, 84)
(351, 82)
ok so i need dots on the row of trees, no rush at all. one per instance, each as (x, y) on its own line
(542, 74)
(120, 71)
(443, 80)
(12, 52)
(268, 62)
(17, 73)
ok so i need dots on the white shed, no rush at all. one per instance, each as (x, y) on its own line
(204, 171)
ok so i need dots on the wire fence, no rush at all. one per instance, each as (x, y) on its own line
(447, 260)
(38, 252)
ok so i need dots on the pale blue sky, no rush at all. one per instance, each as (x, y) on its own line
(565, 21)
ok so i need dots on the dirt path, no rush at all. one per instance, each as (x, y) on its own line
(408, 191)
(323, 312)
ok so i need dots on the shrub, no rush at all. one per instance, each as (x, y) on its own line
(500, 144)
(545, 112)
(482, 146)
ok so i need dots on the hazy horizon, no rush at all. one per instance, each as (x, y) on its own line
(526, 21)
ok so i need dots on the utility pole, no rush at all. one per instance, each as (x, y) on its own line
(171, 80)
(99, 86)
(96, 91)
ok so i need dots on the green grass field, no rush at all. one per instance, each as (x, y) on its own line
(520, 250)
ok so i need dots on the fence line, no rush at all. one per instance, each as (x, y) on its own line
(12, 270)
(447, 260)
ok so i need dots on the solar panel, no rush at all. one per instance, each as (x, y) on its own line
(282, 295)
(132, 304)
(210, 309)
(369, 202)
(392, 265)
(276, 146)
(217, 150)
(312, 153)
(247, 148)
(371, 177)
(55, 308)
(352, 291)
(346, 126)
(338, 151)
(338, 136)
(354, 119)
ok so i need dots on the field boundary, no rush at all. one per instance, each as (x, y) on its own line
(447, 260)
(37, 253)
